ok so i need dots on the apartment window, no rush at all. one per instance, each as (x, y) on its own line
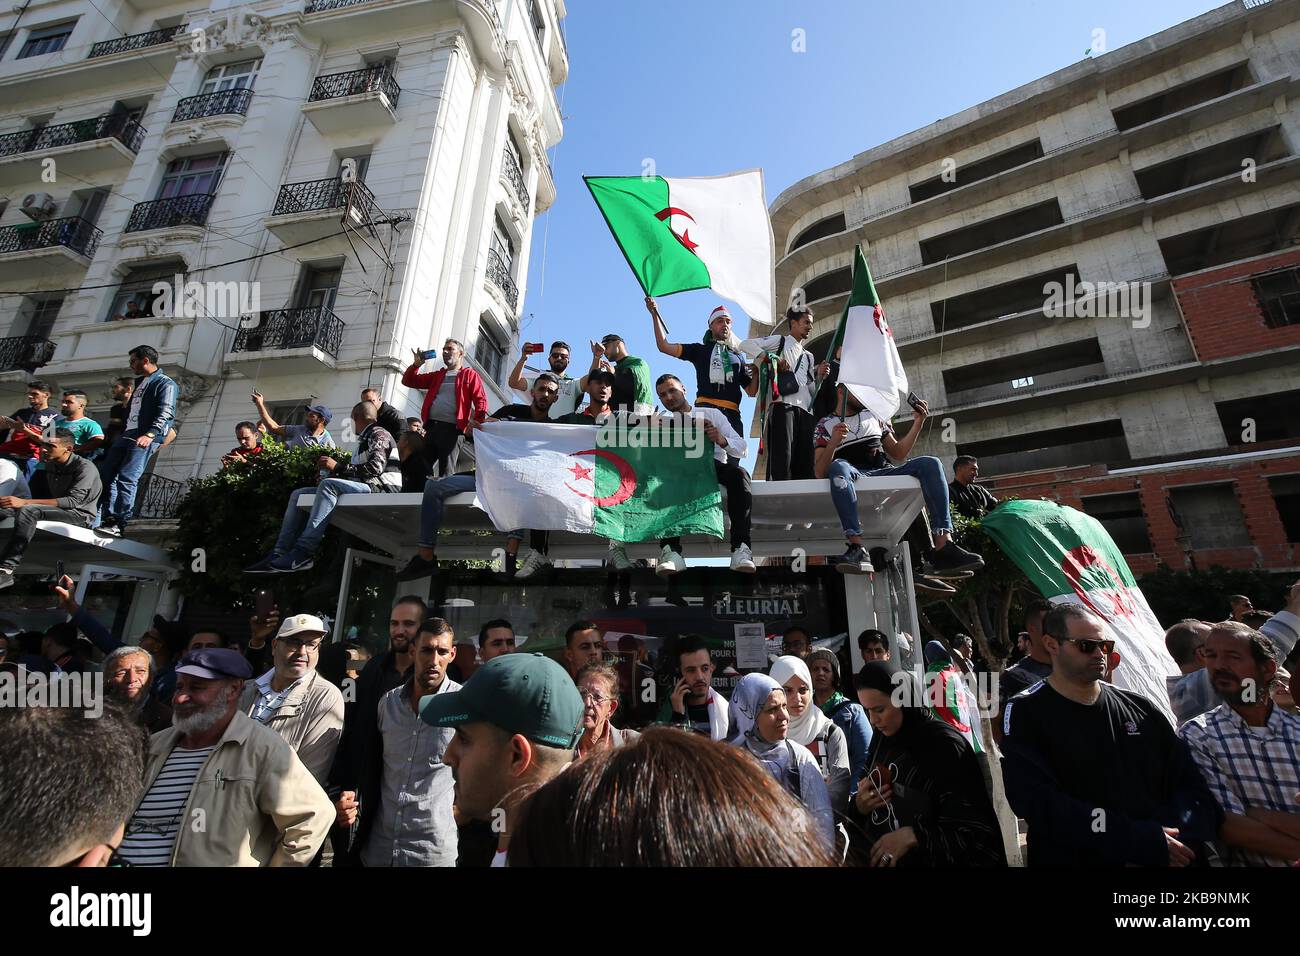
(1095, 443)
(231, 76)
(1286, 495)
(1279, 297)
(1211, 515)
(828, 284)
(1121, 516)
(490, 349)
(502, 244)
(318, 287)
(47, 39)
(89, 203)
(1260, 418)
(1022, 382)
(135, 297)
(362, 160)
(192, 175)
(36, 317)
(538, 22)
(290, 413)
(819, 230)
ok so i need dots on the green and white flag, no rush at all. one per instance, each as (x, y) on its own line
(710, 232)
(599, 481)
(870, 366)
(1070, 559)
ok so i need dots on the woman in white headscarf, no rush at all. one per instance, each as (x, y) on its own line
(759, 722)
(812, 728)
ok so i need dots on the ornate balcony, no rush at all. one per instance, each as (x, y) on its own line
(315, 210)
(298, 338)
(498, 274)
(358, 99)
(25, 352)
(158, 497)
(514, 175)
(221, 103)
(45, 250)
(138, 41)
(189, 210)
(320, 6)
(87, 149)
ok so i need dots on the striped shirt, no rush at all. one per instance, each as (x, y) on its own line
(268, 701)
(151, 831)
(1248, 767)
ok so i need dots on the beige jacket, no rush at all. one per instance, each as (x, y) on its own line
(253, 803)
(310, 720)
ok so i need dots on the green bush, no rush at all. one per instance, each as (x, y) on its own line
(234, 516)
(1174, 595)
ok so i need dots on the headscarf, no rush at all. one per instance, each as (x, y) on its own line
(812, 723)
(900, 687)
(836, 698)
(751, 693)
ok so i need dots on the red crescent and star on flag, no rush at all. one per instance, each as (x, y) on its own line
(665, 215)
(626, 478)
(881, 323)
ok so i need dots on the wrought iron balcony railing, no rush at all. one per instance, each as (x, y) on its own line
(158, 497)
(26, 352)
(221, 103)
(189, 210)
(316, 327)
(111, 125)
(77, 234)
(138, 41)
(324, 194)
(515, 175)
(499, 273)
(372, 79)
(318, 6)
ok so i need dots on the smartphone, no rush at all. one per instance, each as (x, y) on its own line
(58, 572)
(429, 354)
(263, 603)
(912, 399)
(532, 348)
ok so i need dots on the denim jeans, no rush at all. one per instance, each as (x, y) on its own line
(120, 473)
(305, 532)
(926, 469)
(436, 493)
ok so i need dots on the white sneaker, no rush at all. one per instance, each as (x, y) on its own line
(532, 564)
(618, 557)
(742, 559)
(670, 562)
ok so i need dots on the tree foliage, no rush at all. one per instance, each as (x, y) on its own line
(230, 519)
(1174, 595)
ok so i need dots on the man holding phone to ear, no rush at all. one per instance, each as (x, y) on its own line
(693, 704)
(453, 395)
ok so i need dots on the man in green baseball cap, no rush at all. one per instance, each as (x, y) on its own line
(517, 720)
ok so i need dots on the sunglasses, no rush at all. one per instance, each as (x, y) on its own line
(1087, 646)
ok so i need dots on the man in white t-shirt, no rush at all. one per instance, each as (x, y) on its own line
(790, 422)
(859, 444)
(570, 395)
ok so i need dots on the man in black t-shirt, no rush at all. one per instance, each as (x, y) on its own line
(1096, 772)
(722, 372)
(968, 498)
(693, 704)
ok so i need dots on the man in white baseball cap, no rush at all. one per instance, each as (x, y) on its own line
(294, 700)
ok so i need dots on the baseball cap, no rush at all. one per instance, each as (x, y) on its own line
(612, 337)
(601, 375)
(301, 624)
(526, 694)
(322, 411)
(215, 663)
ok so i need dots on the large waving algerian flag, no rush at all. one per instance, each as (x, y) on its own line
(869, 365)
(698, 233)
(1069, 558)
(588, 479)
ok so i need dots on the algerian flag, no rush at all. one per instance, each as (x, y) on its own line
(596, 480)
(1069, 558)
(869, 365)
(700, 233)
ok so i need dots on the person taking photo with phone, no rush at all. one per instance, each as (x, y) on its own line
(453, 396)
(570, 389)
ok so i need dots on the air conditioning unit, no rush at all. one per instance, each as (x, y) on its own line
(39, 206)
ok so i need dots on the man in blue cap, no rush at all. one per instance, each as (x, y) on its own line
(517, 720)
(312, 434)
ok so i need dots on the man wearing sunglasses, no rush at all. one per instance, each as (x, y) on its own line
(1097, 772)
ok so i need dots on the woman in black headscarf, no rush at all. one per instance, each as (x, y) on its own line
(922, 800)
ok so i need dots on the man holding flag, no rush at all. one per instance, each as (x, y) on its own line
(721, 373)
(787, 375)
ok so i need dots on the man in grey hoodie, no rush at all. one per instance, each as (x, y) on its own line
(75, 488)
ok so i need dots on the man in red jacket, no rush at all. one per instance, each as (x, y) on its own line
(452, 396)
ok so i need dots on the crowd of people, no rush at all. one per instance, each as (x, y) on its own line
(279, 748)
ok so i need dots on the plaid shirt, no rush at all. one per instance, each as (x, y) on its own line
(1248, 767)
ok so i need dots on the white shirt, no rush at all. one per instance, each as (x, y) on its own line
(736, 446)
(800, 360)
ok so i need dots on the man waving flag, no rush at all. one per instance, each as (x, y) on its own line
(869, 365)
(700, 233)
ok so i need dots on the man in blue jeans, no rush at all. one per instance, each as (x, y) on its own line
(149, 418)
(374, 468)
(859, 444)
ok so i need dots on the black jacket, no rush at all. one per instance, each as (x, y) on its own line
(75, 486)
(391, 420)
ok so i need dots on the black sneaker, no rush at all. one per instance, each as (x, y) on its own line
(418, 567)
(854, 561)
(929, 585)
(953, 558)
(930, 570)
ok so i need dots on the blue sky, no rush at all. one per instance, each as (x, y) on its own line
(703, 87)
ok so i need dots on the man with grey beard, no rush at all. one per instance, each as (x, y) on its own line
(221, 789)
